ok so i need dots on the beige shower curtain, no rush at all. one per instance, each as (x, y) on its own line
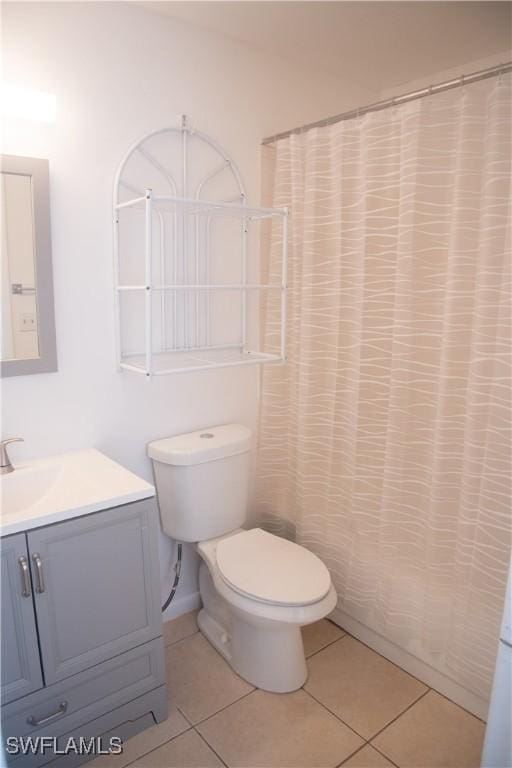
(384, 441)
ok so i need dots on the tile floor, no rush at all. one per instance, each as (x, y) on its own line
(356, 710)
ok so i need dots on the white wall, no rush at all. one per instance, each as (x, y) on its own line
(119, 71)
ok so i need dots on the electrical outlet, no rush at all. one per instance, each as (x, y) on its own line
(28, 321)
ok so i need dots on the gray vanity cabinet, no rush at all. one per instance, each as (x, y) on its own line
(21, 665)
(82, 645)
(94, 588)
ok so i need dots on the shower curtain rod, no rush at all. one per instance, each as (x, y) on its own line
(402, 99)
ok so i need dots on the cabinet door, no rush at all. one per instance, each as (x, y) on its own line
(21, 665)
(96, 587)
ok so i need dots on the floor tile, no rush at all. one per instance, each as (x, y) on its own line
(367, 757)
(434, 733)
(180, 627)
(144, 741)
(185, 751)
(201, 681)
(267, 730)
(361, 687)
(316, 636)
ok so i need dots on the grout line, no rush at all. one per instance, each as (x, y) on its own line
(186, 637)
(203, 738)
(400, 715)
(390, 662)
(334, 714)
(209, 717)
(459, 706)
(191, 724)
(368, 744)
(383, 755)
(162, 744)
(337, 640)
(352, 754)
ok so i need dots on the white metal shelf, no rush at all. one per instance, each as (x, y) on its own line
(200, 207)
(206, 287)
(185, 361)
(179, 262)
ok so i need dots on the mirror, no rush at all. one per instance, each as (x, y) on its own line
(27, 340)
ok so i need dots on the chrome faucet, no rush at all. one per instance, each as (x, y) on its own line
(5, 462)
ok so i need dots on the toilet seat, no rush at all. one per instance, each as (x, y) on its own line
(270, 569)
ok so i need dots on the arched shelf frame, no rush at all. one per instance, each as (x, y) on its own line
(191, 301)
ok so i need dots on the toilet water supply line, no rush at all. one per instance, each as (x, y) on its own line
(177, 571)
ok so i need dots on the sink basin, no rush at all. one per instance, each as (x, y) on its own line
(68, 485)
(26, 486)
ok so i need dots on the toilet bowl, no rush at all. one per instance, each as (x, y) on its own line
(257, 589)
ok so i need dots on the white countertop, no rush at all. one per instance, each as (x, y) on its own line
(61, 487)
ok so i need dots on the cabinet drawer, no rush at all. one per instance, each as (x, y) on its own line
(83, 697)
(124, 722)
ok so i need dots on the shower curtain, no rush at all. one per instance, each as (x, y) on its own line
(384, 442)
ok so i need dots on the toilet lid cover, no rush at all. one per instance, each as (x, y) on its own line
(273, 570)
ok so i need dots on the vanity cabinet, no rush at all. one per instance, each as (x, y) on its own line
(82, 628)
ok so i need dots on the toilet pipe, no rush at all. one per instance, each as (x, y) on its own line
(177, 570)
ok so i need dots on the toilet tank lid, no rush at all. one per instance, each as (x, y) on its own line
(201, 446)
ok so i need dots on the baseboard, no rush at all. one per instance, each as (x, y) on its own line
(412, 664)
(182, 605)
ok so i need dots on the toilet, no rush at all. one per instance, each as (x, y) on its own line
(257, 589)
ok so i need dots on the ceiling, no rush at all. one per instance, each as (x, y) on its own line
(378, 44)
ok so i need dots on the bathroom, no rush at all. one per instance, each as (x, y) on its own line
(364, 449)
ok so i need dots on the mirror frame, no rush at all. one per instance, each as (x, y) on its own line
(38, 170)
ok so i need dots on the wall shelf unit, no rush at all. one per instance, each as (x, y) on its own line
(186, 249)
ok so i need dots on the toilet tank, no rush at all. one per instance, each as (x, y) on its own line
(202, 481)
